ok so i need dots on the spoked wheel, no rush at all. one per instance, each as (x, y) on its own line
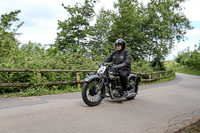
(92, 92)
(133, 87)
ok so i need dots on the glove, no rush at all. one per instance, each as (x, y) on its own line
(118, 66)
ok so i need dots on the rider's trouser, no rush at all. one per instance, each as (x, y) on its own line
(124, 78)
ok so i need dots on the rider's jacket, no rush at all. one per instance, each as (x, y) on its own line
(122, 58)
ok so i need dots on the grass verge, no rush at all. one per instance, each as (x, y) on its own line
(39, 91)
(159, 81)
(173, 65)
(194, 128)
(188, 70)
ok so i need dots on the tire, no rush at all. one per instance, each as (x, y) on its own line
(90, 90)
(134, 86)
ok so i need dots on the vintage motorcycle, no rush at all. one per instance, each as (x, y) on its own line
(106, 83)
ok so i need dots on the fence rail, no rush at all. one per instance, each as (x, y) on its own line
(145, 77)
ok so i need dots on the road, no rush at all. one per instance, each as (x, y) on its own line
(159, 108)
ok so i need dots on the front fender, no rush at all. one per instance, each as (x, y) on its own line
(91, 77)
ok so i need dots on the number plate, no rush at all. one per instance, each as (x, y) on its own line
(101, 70)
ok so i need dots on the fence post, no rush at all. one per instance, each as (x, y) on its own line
(160, 75)
(170, 73)
(77, 79)
(39, 76)
(150, 76)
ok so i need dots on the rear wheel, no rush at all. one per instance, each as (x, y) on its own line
(92, 92)
(133, 87)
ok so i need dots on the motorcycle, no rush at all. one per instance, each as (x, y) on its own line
(106, 83)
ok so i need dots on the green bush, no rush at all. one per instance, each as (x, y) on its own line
(189, 58)
(33, 56)
(141, 66)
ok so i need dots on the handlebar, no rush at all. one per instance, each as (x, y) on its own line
(109, 64)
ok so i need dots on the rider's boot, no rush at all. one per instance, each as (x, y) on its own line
(129, 93)
(126, 93)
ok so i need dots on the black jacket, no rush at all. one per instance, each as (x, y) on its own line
(122, 58)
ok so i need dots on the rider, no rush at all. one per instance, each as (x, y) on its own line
(121, 59)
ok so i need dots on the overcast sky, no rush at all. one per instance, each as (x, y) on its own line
(41, 17)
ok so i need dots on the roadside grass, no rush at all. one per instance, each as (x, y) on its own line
(172, 65)
(39, 91)
(159, 81)
(194, 128)
(188, 70)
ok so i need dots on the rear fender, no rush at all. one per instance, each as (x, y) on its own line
(135, 77)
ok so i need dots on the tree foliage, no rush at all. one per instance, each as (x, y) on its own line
(34, 56)
(166, 24)
(100, 46)
(74, 32)
(129, 25)
(8, 31)
(149, 31)
(189, 58)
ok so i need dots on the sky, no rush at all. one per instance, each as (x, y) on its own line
(41, 17)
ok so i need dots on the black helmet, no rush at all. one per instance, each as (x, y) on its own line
(120, 41)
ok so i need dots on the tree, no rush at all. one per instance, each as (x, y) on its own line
(74, 32)
(149, 31)
(166, 24)
(100, 46)
(128, 24)
(152, 30)
(189, 58)
(8, 31)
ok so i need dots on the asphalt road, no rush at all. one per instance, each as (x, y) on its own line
(159, 108)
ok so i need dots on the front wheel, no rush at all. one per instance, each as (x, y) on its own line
(92, 92)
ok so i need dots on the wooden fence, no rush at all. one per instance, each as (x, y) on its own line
(145, 77)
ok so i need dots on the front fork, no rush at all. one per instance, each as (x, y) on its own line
(101, 85)
(106, 88)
